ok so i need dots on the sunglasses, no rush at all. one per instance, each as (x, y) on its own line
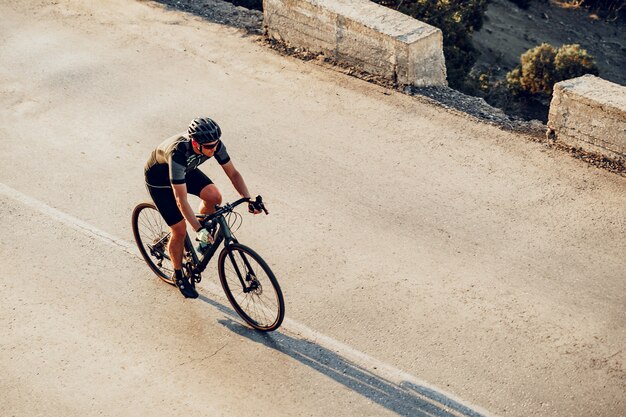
(208, 145)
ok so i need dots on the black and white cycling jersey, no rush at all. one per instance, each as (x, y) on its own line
(174, 158)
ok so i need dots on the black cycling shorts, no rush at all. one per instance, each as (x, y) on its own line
(160, 189)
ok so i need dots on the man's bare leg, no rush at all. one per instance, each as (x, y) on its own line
(210, 196)
(175, 248)
(177, 243)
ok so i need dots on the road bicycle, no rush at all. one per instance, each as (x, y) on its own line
(247, 280)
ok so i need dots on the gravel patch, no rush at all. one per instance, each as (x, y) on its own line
(222, 12)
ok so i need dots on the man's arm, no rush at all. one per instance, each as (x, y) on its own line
(180, 192)
(236, 178)
(240, 185)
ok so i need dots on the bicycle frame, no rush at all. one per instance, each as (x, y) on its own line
(224, 235)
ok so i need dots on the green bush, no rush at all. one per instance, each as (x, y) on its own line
(572, 61)
(457, 19)
(537, 73)
(543, 66)
(514, 82)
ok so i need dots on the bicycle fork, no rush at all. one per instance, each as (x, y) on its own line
(248, 282)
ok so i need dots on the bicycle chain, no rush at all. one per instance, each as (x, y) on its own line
(190, 269)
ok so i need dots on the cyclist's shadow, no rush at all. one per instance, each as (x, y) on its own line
(405, 399)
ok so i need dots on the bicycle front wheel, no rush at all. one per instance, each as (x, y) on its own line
(251, 287)
(152, 235)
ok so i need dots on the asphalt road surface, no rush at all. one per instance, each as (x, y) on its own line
(431, 265)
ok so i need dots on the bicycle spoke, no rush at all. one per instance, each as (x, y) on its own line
(257, 301)
(150, 229)
(150, 222)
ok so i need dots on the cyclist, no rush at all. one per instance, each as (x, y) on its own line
(172, 172)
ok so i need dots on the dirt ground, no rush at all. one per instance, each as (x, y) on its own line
(509, 31)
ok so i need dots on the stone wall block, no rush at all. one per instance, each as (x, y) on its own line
(590, 113)
(366, 35)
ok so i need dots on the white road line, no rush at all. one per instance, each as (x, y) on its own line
(372, 365)
(68, 220)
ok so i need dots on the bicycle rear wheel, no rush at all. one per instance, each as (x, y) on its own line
(251, 287)
(152, 235)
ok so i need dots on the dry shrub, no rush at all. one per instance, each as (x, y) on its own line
(572, 61)
(536, 73)
(543, 66)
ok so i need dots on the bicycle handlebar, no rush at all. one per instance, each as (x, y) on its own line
(227, 208)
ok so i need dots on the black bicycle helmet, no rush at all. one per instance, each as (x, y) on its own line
(204, 130)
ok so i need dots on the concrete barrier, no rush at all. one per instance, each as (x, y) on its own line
(366, 35)
(590, 113)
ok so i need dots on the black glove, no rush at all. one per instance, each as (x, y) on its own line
(256, 205)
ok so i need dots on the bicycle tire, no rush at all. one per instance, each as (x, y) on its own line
(149, 226)
(249, 305)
